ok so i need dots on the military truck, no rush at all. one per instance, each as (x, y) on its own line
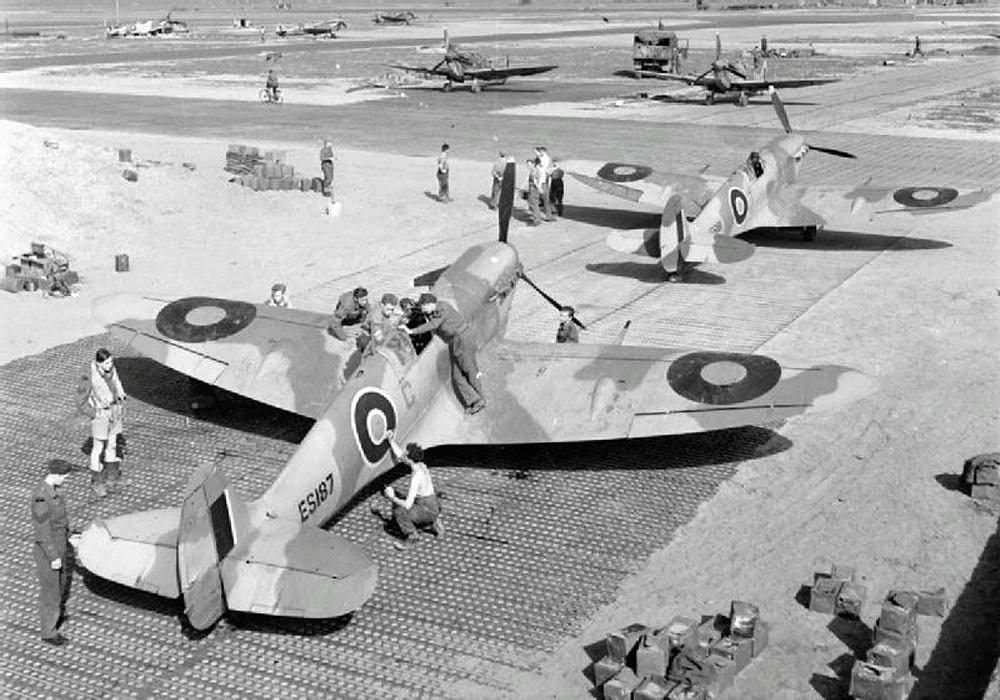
(658, 50)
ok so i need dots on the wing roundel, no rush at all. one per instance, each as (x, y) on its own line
(201, 319)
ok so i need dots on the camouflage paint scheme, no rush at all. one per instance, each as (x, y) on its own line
(702, 215)
(271, 556)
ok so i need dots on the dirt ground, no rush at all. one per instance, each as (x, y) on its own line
(874, 487)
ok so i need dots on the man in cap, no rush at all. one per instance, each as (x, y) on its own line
(352, 310)
(448, 323)
(48, 513)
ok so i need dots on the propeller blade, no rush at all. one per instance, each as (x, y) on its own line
(718, 46)
(547, 298)
(506, 207)
(831, 151)
(732, 69)
(779, 108)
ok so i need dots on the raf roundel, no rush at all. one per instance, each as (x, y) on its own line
(623, 172)
(722, 378)
(372, 415)
(739, 204)
(201, 319)
(924, 196)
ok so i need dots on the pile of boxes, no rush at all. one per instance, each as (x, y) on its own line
(886, 674)
(837, 593)
(35, 270)
(981, 476)
(686, 660)
(267, 170)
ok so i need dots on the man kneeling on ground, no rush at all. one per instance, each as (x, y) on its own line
(421, 507)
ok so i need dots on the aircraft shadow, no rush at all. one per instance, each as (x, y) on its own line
(652, 273)
(152, 383)
(623, 219)
(839, 240)
(686, 451)
(700, 101)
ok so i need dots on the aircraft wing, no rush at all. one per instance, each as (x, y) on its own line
(761, 85)
(418, 70)
(802, 205)
(640, 183)
(541, 392)
(280, 357)
(503, 72)
(676, 77)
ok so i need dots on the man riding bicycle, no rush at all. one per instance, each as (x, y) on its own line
(272, 86)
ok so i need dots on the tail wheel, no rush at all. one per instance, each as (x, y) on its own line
(476, 87)
(710, 99)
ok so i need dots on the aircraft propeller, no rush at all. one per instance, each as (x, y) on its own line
(504, 212)
(779, 108)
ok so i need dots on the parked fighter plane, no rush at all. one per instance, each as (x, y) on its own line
(462, 65)
(719, 83)
(701, 215)
(402, 17)
(161, 27)
(270, 556)
(328, 28)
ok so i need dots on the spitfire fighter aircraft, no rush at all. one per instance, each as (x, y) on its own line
(723, 79)
(328, 29)
(463, 66)
(403, 17)
(702, 215)
(270, 556)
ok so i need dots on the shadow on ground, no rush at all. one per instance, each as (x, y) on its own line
(791, 238)
(652, 272)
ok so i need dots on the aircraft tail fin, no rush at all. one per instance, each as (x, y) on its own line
(680, 242)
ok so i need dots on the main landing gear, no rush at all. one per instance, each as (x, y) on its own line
(809, 233)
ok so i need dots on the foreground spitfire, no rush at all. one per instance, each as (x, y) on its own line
(270, 556)
(461, 65)
(717, 81)
(701, 215)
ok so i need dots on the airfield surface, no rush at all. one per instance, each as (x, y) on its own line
(547, 548)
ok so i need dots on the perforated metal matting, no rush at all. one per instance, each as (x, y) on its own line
(537, 539)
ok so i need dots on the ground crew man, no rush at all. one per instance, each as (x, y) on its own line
(391, 318)
(279, 296)
(542, 153)
(499, 165)
(272, 85)
(444, 194)
(453, 329)
(326, 163)
(48, 513)
(352, 310)
(421, 507)
(567, 332)
(107, 399)
(413, 316)
(535, 178)
(556, 188)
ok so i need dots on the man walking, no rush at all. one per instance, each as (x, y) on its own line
(48, 514)
(444, 195)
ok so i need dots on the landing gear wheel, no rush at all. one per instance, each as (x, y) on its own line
(744, 99)
(809, 233)
(448, 86)
(476, 87)
(710, 99)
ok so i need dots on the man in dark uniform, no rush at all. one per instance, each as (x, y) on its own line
(48, 513)
(352, 310)
(413, 316)
(567, 332)
(326, 163)
(454, 330)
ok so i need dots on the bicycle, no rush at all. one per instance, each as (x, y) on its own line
(265, 97)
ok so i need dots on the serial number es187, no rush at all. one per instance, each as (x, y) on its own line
(309, 504)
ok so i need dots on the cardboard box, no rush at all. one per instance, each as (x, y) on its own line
(761, 638)
(681, 632)
(653, 689)
(986, 492)
(722, 675)
(851, 600)
(742, 619)
(736, 649)
(691, 664)
(622, 643)
(605, 669)
(621, 686)
(932, 602)
(685, 691)
(899, 611)
(823, 596)
(651, 660)
(901, 640)
(887, 656)
(870, 682)
(843, 573)
(711, 630)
